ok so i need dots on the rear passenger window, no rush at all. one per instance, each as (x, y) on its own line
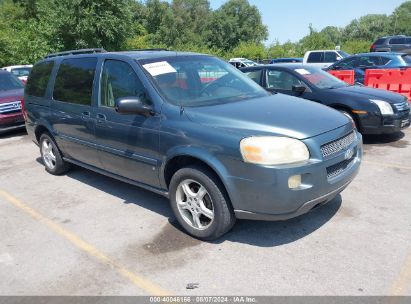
(397, 41)
(315, 57)
(119, 80)
(74, 81)
(39, 78)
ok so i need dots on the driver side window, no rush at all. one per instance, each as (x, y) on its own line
(280, 80)
(119, 80)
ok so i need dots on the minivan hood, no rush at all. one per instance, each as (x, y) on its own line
(279, 115)
(370, 93)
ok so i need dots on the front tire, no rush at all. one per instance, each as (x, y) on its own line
(51, 156)
(200, 203)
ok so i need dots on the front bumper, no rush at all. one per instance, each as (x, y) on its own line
(384, 124)
(11, 122)
(262, 192)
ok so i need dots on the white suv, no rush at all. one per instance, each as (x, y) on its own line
(323, 58)
(20, 71)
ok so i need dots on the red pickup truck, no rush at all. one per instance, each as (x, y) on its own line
(11, 102)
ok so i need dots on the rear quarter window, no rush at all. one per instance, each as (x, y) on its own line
(74, 80)
(39, 78)
(397, 41)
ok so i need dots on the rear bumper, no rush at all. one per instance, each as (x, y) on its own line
(386, 124)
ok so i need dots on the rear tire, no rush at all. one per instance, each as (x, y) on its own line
(51, 156)
(200, 204)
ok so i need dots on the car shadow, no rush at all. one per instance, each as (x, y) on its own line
(256, 233)
(13, 133)
(383, 139)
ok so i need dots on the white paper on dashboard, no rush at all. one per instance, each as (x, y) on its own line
(302, 71)
(159, 68)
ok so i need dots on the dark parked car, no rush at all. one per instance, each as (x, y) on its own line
(11, 98)
(219, 148)
(374, 111)
(392, 44)
(361, 62)
(287, 60)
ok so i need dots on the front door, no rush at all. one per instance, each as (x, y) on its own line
(128, 144)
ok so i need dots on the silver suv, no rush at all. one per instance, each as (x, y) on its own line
(392, 44)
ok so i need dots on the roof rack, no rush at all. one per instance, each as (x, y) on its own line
(77, 52)
(143, 50)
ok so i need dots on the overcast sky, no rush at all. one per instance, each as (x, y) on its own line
(289, 19)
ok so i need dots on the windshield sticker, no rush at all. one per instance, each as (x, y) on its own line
(159, 68)
(302, 71)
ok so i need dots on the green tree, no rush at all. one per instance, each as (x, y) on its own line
(91, 23)
(401, 19)
(234, 22)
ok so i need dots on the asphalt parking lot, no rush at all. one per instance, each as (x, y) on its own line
(87, 234)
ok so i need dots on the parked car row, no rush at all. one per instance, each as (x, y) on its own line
(220, 145)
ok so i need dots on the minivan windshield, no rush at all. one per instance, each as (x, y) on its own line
(198, 80)
(320, 78)
(9, 82)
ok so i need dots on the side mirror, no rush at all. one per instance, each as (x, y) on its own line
(133, 105)
(299, 88)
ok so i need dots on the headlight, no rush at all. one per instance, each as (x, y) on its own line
(270, 150)
(385, 107)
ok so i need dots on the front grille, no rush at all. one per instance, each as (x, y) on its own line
(339, 168)
(9, 107)
(403, 106)
(338, 145)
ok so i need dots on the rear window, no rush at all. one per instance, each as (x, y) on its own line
(9, 82)
(19, 72)
(380, 41)
(316, 57)
(39, 78)
(74, 81)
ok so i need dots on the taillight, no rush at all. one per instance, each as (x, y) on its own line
(372, 48)
(23, 109)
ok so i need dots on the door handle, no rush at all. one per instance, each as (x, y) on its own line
(101, 117)
(85, 115)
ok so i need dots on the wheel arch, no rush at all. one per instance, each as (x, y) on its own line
(183, 157)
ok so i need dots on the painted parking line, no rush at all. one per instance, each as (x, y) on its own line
(387, 165)
(137, 280)
(403, 281)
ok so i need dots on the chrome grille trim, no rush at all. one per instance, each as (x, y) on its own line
(7, 107)
(338, 145)
(402, 106)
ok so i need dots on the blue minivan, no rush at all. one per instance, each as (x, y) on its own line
(192, 128)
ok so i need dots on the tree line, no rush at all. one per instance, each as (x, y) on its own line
(30, 29)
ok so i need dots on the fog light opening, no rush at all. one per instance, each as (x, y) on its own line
(294, 181)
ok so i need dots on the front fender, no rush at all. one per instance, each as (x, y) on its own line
(202, 155)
